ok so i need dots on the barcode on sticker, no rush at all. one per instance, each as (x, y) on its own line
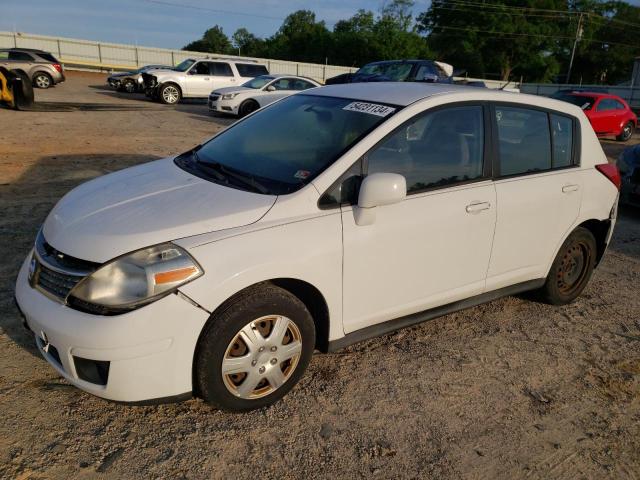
(370, 108)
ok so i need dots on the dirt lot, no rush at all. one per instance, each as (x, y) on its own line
(511, 389)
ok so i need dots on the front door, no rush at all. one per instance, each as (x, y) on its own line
(198, 80)
(432, 248)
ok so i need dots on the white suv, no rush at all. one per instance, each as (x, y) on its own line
(332, 216)
(197, 77)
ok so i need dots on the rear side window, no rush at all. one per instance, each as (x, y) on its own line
(48, 57)
(20, 56)
(562, 133)
(524, 142)
(437, 148)
(251, 70)
(221, 69)
(608, 104)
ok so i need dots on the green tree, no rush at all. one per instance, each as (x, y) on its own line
(214, 41)
(246, 43)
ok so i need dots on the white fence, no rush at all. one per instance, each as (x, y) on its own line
(113, 56)
(630, 94)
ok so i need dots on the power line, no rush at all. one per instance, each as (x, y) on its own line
(502, 32)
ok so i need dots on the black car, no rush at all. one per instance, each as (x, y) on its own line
(397, 71)
(629, 166)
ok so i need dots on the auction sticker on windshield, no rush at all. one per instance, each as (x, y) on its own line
(370, 108)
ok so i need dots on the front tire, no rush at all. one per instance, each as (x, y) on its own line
(626, 133)
(42, 80)
(247, 107)
(255, 350)
(572, 268)
(170, 94)
(129, 86)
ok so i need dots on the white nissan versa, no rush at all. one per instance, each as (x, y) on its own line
(331, 216)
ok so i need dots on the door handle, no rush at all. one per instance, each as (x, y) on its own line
(477, 207)
(570, 188)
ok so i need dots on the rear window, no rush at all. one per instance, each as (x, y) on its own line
(251, 70)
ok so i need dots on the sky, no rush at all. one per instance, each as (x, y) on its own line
(156, 24)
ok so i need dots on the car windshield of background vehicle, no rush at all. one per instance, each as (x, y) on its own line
(584, 102)
(396, 72)
(257, 82)
(184, 66)
(286, 145)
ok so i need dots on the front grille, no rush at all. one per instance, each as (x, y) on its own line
(56, 273)
(56, 283)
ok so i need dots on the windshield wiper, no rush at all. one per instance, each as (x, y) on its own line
(223, 174)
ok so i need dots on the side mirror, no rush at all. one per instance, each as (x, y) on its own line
(430, 78)
(376, 190)
(271, 88)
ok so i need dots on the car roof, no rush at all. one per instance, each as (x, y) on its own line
(394, 93)
(19, 49)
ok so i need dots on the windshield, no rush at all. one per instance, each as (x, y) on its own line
(582, 101)
(397, 72)
(257, 82)
(286, 145)
(184, 66)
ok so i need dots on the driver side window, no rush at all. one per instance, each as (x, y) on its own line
(436, 148)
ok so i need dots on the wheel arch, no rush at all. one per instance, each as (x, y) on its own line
(307, 293)
(600, 230)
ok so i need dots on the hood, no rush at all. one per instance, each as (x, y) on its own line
(146, 205)
(163, 71)
(121, 74)
(227, 90)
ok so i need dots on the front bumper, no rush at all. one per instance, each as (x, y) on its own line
(223, 106)
(148, 352)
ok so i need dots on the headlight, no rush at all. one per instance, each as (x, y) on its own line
(137, 278)
(140, 80)
(229, 96)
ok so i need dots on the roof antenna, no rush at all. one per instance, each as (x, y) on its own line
(505, 85)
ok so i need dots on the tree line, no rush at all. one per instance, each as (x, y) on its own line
(503, 39)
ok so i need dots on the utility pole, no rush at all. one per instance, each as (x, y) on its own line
(579, 32)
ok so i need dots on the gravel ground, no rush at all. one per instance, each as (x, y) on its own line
(510, 389)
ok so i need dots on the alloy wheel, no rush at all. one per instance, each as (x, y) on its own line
(170, 94)
(261, 357)
(43, 81)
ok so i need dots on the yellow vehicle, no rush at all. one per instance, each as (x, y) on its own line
(16, 90)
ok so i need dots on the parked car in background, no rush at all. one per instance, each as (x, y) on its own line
(41, 67)
(131, 82)
(629, 165)
(257, 93)
(329, 217)
(398, 71)
(198, 77)
(609, 114)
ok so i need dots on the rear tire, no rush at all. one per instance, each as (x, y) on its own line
(247, 107)
(572, 268)
(255, 350)
(626, 133)
(170, 94)
(42, 80)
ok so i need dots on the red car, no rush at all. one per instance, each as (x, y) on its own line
(608, 114)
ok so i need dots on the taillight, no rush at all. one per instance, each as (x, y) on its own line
(57, 66)
(611, 171)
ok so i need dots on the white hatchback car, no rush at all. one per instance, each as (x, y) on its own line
(257, 93)
(329, 217)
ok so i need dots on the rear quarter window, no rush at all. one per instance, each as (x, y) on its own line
(251, 70)
(48, 57)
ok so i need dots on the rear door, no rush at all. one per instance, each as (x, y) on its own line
(538, 189)
(222, 75)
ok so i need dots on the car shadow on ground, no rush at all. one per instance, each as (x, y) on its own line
(25, 203)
